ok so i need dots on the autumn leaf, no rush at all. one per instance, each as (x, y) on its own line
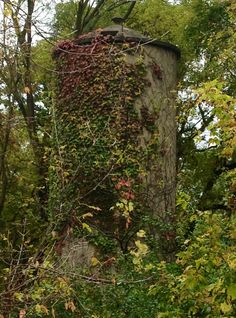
(86, 227)
(41, 309)
(22, 313)
(141, 233)
(226, 308)
(7, 10)
(94, 261)
(19, 296)
(130, 206)
(142, 248)
(26, 90)
(70, 306)
(87, 215)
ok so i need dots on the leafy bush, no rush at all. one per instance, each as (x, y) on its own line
(206, 286)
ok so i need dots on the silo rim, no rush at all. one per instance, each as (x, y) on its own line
(124, 34)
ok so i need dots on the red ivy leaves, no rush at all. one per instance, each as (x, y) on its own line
(125, 186)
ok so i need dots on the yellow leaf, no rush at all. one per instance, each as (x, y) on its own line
(94, 261)
(130, 206)
(136, 261)
(200, 261)
(7, 10)
(19, 296)
(120, 205)
(226, 308)
(217, 261)
(142, 248)
(124, 201)
(149, 267)
(232, 263)
(41, 309)
(141, 233)
(87, 227)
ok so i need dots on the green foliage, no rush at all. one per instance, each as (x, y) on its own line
(21, 174)
(208, 267)
(64, 19)
(200, 284)
(204, 286)
(160, 19)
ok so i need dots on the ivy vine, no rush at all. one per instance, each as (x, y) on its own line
(97, 160)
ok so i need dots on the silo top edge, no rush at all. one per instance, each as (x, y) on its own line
(119, 35)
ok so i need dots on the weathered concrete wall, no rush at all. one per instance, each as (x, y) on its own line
(77, 252)
(159, 99)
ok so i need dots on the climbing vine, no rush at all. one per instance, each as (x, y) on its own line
(97, 150)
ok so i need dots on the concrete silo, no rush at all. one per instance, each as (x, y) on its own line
(115, 135)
